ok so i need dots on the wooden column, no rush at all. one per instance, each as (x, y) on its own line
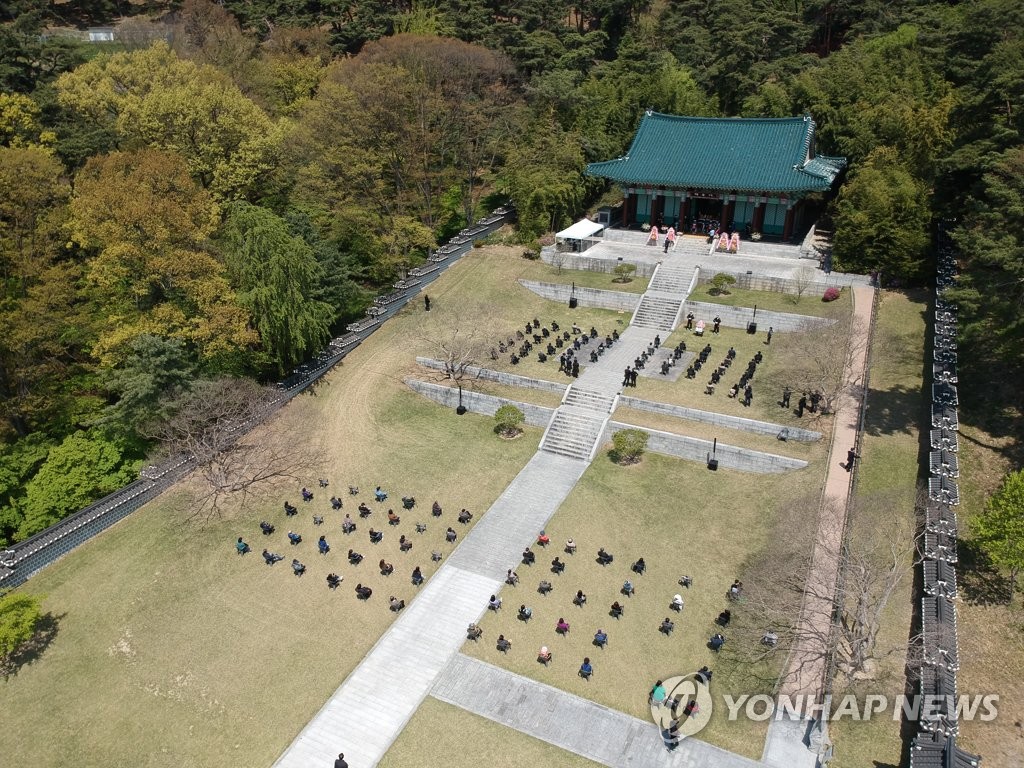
(787, 227)
(657, 208)
(757, 223)
(728, 207)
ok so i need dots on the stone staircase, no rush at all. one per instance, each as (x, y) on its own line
(656, 312)
(660, 305)
(579, 423)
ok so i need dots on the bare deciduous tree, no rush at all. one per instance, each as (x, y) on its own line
(212, 424)
(460, 346)
(819, 360)
(802, 280)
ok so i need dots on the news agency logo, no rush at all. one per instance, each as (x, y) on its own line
(684, 709)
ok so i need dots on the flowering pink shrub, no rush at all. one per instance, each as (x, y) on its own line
(831, 294)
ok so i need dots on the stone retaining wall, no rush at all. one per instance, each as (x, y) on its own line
(720, 419)
(500, 377)
(478, 402)
(587, 297)
(738, 317)
(591, 263)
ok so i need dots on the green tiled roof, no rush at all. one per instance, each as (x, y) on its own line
(745, 155)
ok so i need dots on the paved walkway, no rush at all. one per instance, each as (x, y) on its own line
(573, 723)
(806, 669)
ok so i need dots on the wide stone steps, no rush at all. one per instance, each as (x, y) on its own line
(675, 280)
(573, 432)
(657, 312)
(581, 397)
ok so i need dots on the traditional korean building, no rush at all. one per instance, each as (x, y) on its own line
(693, 172)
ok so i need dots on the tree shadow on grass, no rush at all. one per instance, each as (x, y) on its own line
(980, 582)
(30, 652)
(894, 411)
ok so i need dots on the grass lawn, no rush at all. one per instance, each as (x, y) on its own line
(683, 520)
(808, 304)
(441, 734)
(886, 492)
(584, 278)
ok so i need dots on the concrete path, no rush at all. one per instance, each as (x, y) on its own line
(370, 709)
(806, 668)
(575, 724)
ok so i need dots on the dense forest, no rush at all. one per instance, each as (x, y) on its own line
(225, 186)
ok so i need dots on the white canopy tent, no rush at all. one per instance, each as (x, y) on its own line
(577, 237)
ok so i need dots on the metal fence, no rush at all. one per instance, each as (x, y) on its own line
(22, 560)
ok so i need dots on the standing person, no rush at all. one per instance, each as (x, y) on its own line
(632, 377)
(626, 377)
(770, 332)
(785, 397)
(851, 456)
(748, 395)
(575, 369)
(340, 762)
(801, 404)
(718, 324)
(689, 321)
(426, 302)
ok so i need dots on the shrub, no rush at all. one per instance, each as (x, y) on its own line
(628, 446)
(623, 272)
(720, 284)
(508, 419)
(531, 254)
(831, 294)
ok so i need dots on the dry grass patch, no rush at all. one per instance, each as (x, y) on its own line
(808, 304)
(583, 278)
(442, 734)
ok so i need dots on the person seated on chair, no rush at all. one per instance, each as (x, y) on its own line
(494, 604)
(580, 598)
(363, 593)
(267, 528)
(294, 538)
(307, 495)
(408, 502)
(734, 391)
(562, 627)
(511, 578)
(557, 566)
(525, 614)
(290, 510)
(348, 525)
(417, 576)
(335, 502)
(503, 645)
(586, 670)
(616, 610)
(393, 519)
(354, 558)
(603, 557)
(677, 603)
(298, 567)
(544, 655)
(639, 567)
(353, 490)
(450, 535)
(395, 604)
(323, 546)
(717, 641)
(736, 590)
(386, 568)
(435, 509)
(435, 556)
(379, 494)
(528, 557)
(465, 516)
(241, 547)
(364, 511)
(376, 537)
(421, 527)
(704, 675)
(600, 638)
(318, 519)
(544, 587)
(724, 618)
(770, 639)
(271, 557)
(473, 631)
(667, 626)
(543, 539)
(333, 580)
(404, 544)
(570, 547)
(627, 588)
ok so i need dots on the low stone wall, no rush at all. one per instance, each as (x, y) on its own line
(812, 289)
(587, 297)
(695, 449)
(592, 264)
(738, 317)
(720, 419)
(478, 402)
(499, 377)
